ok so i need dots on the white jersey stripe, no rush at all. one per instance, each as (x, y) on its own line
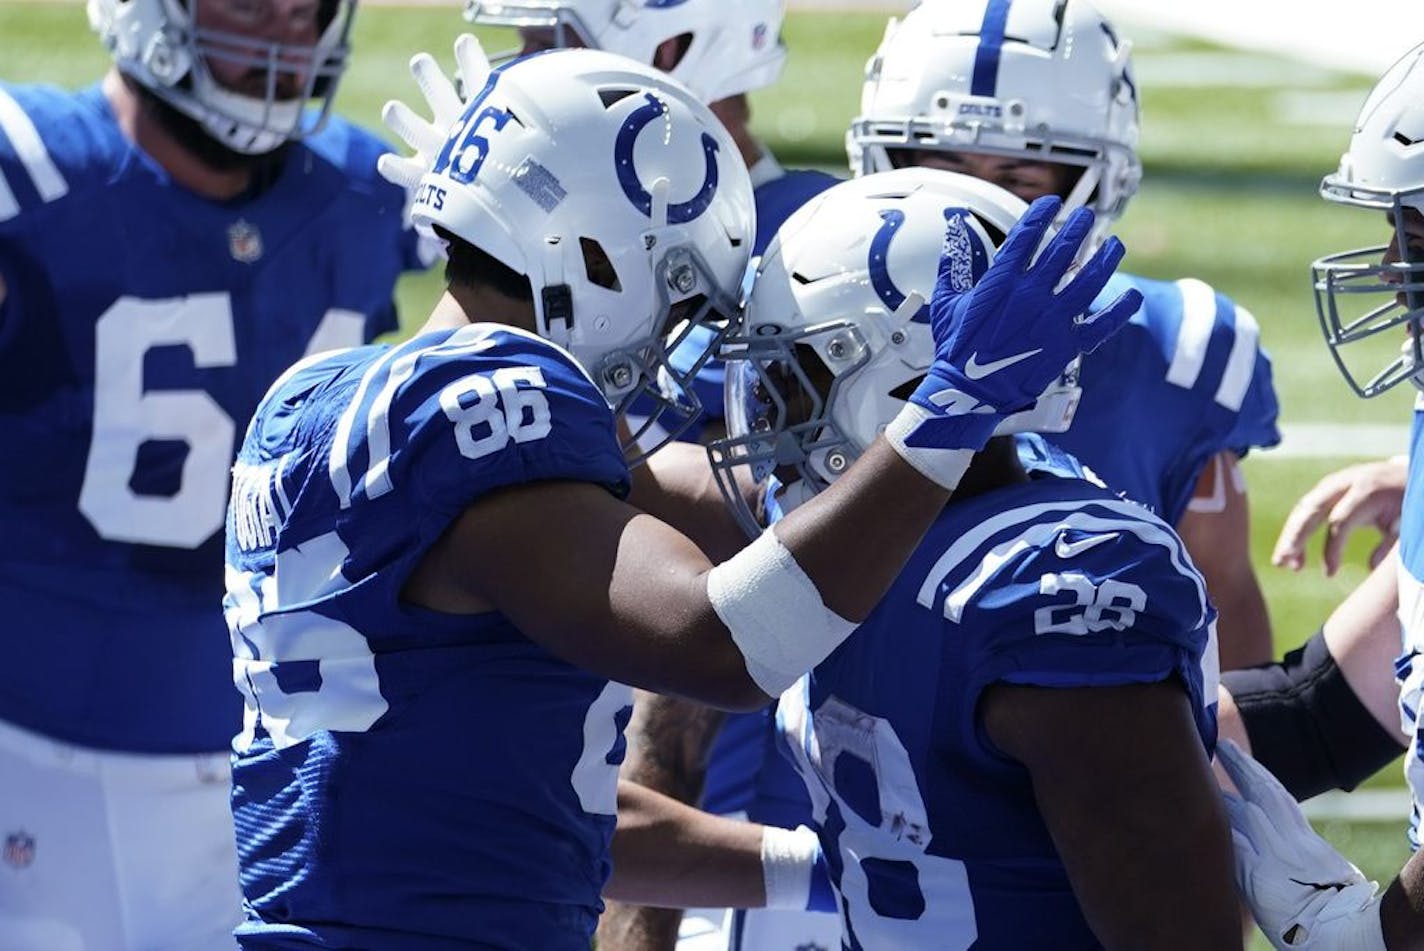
(9, 204)
(1241, 364)
(377, 481)
(1131, 516)
(32, 153)
(341, 442)
(1198, 316)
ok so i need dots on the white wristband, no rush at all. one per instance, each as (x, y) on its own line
(774, 613)
(943, 467)
(787, 858)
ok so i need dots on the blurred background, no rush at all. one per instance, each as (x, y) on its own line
(1245, 106)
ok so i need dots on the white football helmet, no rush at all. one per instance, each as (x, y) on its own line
(623, 201)
(837, 335)
(160, 45)
(1383, 170)
(1043, 80)
(727, 46)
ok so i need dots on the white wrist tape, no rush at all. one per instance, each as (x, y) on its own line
(787, 858)
(944, 467)
(774, 613)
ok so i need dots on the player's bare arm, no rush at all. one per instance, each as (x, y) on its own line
(1124, 785)
(1217, 530)
(665, 851)
(620, 593)
(1327, 715)
(676, 485)
(1402, 908)
(668, 742)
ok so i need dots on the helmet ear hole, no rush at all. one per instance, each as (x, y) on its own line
(670, 52)
(995, 233)
(598, 267)
(611, 97)
(904, 390)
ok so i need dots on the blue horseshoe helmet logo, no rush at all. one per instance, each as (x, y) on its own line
(678, 212)
(969, 259)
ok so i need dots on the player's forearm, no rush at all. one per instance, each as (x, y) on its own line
(676, 485)
(798, 591)
(1363, 634)
(853, 539)
(1402, 908)
(668, 742)
(1243, 624)
(1217, 531)
(1308, 722)
(638, 927)
(671, 855)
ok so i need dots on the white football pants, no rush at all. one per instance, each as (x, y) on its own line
(105, 851)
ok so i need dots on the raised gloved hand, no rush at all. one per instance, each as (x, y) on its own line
(999, 344)
(1303, 893)
(427, 136)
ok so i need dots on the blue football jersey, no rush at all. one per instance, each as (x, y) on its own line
(405, 778)
(1409, 668)
(1184, 380)
(933, 838)
(139, 328)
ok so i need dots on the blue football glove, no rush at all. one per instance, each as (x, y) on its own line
(999, 344)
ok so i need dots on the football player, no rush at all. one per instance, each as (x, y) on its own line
(1038, 97)
(171, 238)
(990, 752)
(1371, 304)
(434, 588)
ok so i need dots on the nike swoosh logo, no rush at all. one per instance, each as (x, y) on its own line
(1066, 549)
(1321, 886)
(976, 370)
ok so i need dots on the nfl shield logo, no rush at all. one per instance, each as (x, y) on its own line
(19, 849)
(244, 241)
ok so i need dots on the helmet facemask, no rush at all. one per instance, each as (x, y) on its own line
(565, 28)
(1375, 336)
(779, 394)
(1371, 311)
(645, 383)
(162, 46)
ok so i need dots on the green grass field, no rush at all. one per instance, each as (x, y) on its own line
(1232, 163)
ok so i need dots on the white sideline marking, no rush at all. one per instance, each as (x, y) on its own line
(1338, 441)
(1362, 805)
